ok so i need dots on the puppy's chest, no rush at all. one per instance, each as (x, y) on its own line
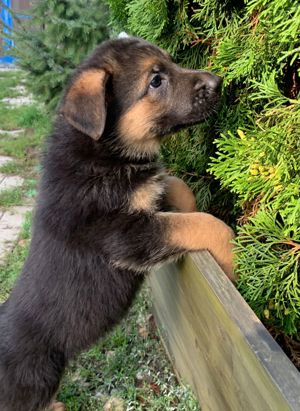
(149, 195)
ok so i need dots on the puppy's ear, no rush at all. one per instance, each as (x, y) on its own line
(84, 105)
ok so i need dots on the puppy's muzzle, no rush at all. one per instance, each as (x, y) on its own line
(206, 93)
(208, 81)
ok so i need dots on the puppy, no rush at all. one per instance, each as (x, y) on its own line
(100, 223)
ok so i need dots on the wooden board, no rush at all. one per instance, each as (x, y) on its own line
(216, 342)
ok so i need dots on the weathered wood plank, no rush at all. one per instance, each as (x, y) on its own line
(216, 342)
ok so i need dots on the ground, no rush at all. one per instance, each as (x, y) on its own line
(129, 369)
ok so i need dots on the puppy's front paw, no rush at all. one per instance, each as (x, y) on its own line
(223, 250)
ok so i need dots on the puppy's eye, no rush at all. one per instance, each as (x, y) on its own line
(156, 81)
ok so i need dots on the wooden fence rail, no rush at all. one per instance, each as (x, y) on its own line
(216, 342)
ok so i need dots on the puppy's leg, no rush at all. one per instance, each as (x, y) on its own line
(198, 231)
(146, 240)
(29, 378)
(179, 195)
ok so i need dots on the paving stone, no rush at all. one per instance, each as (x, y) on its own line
(18, 101)
(12, 132)
(8, 182)
(11, 222)
(4, 160)
(20, 89)
(5, 67)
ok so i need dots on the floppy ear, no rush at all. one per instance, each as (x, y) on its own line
(84, 105)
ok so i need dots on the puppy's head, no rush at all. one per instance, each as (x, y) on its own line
(130, 93)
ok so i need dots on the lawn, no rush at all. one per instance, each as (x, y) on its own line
(127, 370)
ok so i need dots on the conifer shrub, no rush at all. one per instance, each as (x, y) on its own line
(243, 165)
(54, 38)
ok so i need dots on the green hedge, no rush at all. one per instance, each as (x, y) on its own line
(245, 165)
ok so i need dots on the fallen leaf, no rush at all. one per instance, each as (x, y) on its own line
(155, 388)
(143, 332)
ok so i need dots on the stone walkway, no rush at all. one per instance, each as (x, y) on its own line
(8, 182)
(12, 133)
(18, 101)
(11, 220)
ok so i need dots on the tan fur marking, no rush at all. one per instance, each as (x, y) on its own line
(136, 123)
(88, 82)
(199, 231)
(84, 106)
(145, 67)
(146, 196)
(146, 64)
(135, 128)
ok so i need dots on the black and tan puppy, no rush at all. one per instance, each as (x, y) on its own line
(100, 223)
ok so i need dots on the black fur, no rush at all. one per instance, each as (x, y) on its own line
(89, 253)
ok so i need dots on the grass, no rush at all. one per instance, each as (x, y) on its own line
(10, 270)
(35, 122)
(24, 148)
(10, 80)
(129, 366)
(127, 370)
(14, 167)
(11, 197)
(19, 195)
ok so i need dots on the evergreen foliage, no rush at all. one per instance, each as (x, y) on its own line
(253, 147)
(57, 36)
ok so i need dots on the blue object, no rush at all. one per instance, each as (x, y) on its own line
(7, 23)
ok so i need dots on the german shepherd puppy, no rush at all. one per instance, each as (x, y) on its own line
(100, 222)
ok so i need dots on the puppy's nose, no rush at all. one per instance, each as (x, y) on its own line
(208, 80)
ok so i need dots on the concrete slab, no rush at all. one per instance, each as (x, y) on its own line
(11, 222)
(18, 101)
(4, 67)
(12, 132)
(4, 159)
(20, 89)
(8, 182)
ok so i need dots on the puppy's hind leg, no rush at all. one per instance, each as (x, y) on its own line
(29, 380)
